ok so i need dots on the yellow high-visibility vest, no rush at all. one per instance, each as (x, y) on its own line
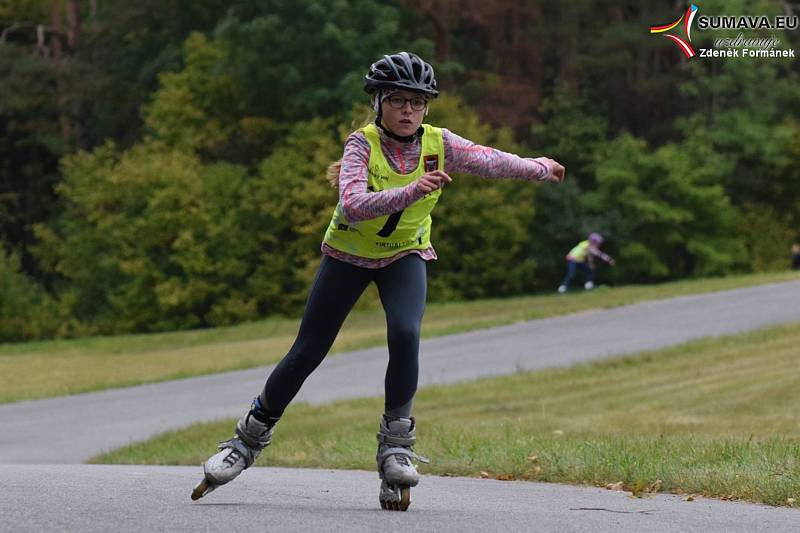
(410, 229)
(580, 252)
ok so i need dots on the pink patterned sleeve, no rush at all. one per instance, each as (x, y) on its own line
(462, 155)
(357, 202)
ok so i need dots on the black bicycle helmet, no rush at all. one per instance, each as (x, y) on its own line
(403, 70)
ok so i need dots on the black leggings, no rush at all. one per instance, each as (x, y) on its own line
(402, 286)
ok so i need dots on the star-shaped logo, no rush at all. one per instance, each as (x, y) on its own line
(687, 19)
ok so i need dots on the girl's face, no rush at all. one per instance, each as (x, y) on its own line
(402, 112)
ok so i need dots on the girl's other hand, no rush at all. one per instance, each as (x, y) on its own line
(557, 172)
(430, 181)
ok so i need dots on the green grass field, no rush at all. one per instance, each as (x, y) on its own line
(54, 368)
(718, 417)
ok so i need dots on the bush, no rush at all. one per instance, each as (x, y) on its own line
(767, 236)
(665, 211)
(26, 311)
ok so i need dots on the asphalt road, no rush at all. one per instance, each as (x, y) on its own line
(74, 497)
(92, 498)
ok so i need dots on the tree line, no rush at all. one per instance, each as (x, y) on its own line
(162, 163)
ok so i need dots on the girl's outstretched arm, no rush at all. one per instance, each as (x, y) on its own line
(604, 256)
(463, 155)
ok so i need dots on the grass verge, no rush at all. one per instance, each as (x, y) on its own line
(55, 368)
(717, 417)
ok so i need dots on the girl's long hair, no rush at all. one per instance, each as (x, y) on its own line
(332, 175)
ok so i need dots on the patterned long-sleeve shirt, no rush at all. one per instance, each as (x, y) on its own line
(460, 155)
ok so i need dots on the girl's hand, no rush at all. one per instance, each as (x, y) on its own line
(557, 171)
(430, 181)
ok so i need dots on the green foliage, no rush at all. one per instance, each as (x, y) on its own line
(298, 59)
(481, 247)
(22, 10)
(196, 109)
(29, 144)
(221, 98)
(285, 211)
(767, 236)
(571, 132)
(747, 110)
(664, 210)
(128, 45)
(243, 89)
(152, 239)
(26, 312)
(480, 227)
(133, 244)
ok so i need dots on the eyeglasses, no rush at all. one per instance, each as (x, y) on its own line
(418, 103)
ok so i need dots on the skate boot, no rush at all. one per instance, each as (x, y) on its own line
(398, 474)
(252, 435)
(588, 285)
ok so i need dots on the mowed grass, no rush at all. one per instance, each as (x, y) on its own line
(717, 417)
(54, 368)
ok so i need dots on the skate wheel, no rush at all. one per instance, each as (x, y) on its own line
(405, 498)
(398, 505)
(201, 489)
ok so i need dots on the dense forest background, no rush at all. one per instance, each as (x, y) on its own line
(162, 161)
